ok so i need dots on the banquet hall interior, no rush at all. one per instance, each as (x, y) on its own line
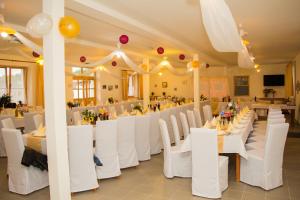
(141, 99)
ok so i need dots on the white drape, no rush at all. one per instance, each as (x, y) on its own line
(220, 26)
(244, 59)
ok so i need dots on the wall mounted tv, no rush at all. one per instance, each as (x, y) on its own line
(274, 80)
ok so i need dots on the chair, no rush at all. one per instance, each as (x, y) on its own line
(126, 142)
(142, 137)
(8, 123)
(165, 115)
(175, 130)
(209, 171)
(185, 125)
(2, 146)
(207, 113)
(107, 149)
(81, 162)
(263, 168)
(38, 121)
(155, 138)
(176, 162)
(191, 118)
(76, 118)
(198, 119)
(21, 180)
(29, 122)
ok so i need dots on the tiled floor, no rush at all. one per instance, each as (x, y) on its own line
(147, 182)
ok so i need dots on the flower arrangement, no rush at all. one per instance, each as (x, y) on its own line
(138, 108)
(103, 114)
(178, 100)
(89, 116)
(203, 98)
(5, 100)
(111, 100)
(72, 105)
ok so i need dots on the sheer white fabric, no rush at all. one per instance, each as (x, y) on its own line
(185, 125)
(220, 26)
(81, 162)
(142, 137)
(126, 142)
(244, 59)
(191, 118)
(106, 149)
(210, 171)
(21, 179)
(176, 162)
(155, 138)
(263, 167)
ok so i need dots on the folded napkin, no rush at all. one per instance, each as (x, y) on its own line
(207, 124)
(214, 122)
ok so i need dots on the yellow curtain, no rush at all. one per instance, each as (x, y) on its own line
(40, 85)
(140, 86)
(124, 84)
(289, 80)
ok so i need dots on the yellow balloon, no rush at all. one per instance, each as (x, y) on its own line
(195, 64)
(69, 27)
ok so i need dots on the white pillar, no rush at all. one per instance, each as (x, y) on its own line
(98, 86)
(146, 83)
(55, 104)
(196, 84)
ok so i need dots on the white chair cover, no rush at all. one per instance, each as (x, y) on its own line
(155, 138)
(76, 118)
(142, 137)
(263, 167)
(126, 142)
(191, 118)
(207, 113)
(185, 125)
(28, 122)
(38, 121)
(165, 115)
(107, 149)
(21, 179)
(8, 123)
(198, 119)
(81, 158)
(220, 26)
(175, 130)
(176, 162)
(2, 147)
(210, 171)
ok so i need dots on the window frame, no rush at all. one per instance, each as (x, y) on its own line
(236, 80)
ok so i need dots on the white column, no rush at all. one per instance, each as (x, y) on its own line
(55, 104)
(196, 84)
(146, 83)
(98, 86)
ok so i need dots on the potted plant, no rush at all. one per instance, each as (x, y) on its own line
(5, 100)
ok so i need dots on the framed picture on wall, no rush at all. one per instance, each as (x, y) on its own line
(110, 87)
(164, 84)
(241, 85)
(103, 87)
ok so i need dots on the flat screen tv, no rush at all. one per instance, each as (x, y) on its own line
(274, 80)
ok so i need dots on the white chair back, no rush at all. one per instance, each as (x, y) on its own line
(81, 161)
(126, 142)
(155, 137)
(165, 136)
(205, 170)
(76, 118)
(175, 130)
(185, 125)
(191, 119)
(2, 146)
(207, 113)
(107, 149)
(165, 115)
(38, 121)
(8, 123)
(198, 119)
(29, 122)
(142, 137)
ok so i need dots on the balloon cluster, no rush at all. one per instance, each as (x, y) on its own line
(69, 27)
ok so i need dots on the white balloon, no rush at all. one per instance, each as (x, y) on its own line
(39, 25)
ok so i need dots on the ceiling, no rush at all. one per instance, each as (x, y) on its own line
(273, 28)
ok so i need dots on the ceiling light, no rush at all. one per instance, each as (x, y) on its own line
(160, 73)
(256, 66)
(258, 70)
(164, 63)
(40, 61)
(4, 34)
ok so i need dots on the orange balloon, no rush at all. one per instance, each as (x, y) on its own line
(195, 64)
(69, 27)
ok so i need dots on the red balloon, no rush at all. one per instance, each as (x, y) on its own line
(114, 63)
(160, 50)
(181, 56)
(123, 39)
(35, 54)
(82, 58)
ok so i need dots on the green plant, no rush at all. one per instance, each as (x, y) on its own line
(5, 99)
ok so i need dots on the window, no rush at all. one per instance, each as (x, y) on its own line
(13, 82)
(83, 85)
(241, 85)
(130, 86)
